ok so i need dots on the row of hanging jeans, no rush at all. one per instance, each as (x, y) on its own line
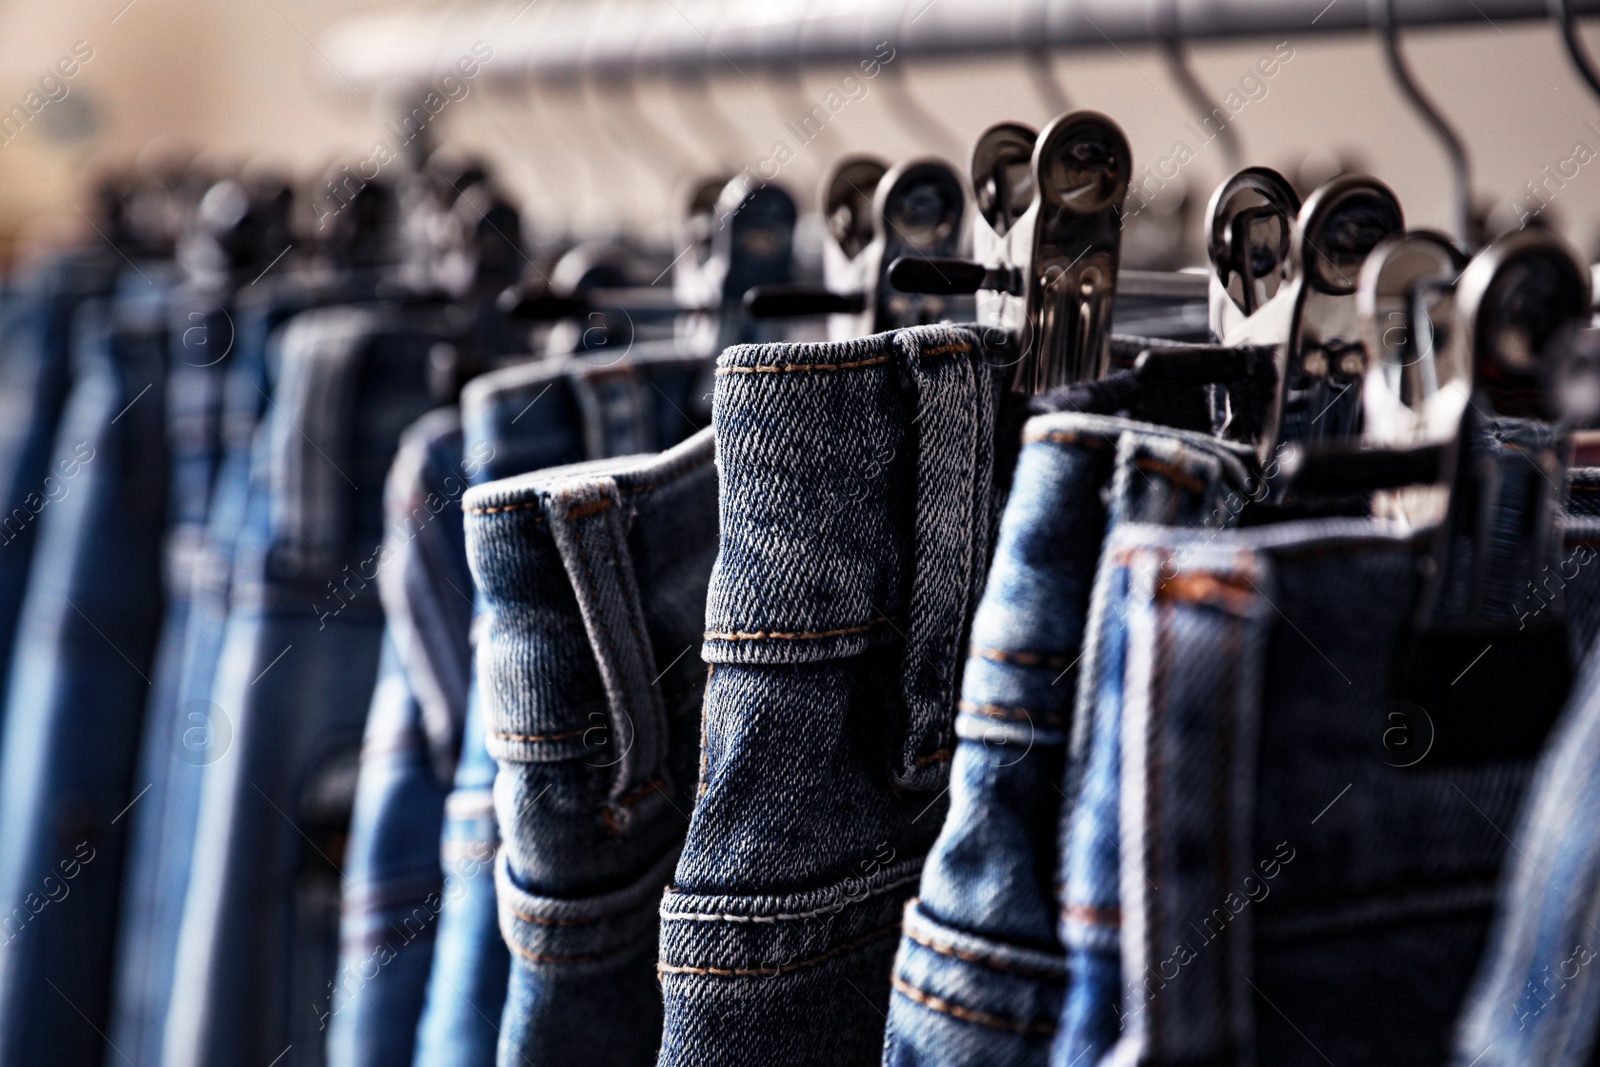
(394, 682)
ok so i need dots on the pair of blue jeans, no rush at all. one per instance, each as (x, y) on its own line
(593, 579)
(223, 346)
(426, 735)
(86, 634)
(257, 949)
(859, 497)
(35, 375)
(994, 938)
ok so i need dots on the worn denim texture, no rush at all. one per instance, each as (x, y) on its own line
(515, 421)
(593, 579)
(258, 945)
(1291, 893)
(87, 635)
(981, 975)
(859, 498)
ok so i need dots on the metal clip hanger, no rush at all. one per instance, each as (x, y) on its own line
(1312, 320)
(1252, 217)
(1046, 245)
(916, 212)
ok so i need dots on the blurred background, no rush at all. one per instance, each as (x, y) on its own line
(301, 83)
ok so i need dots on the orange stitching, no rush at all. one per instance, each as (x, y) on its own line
(982, 1018)
(562, 922)
(593, 507)
(504, 507)
(563, 736)
(941, 756)
(1179, 477)
(762, 635)
(944, 948)
(942, 350)
(788, 368)
(537, 958)
(1010, 713)
(1025, 659)
(768, 972)
(1198, 588)
(1090, 915)
(1067, 437)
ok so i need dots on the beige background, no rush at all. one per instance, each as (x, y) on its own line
(244, 78)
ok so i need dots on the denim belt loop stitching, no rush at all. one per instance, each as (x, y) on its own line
(955, 427)
(589, 528)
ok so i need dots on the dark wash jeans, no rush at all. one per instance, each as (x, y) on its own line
(859, 498)
(981, 974)
(86, 636)
(1293, 890)
(258, 946)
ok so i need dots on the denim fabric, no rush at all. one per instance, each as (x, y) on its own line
(258, 946)
(593, 579)
(518, 420)
(87, 634)
(1536, 1002)
(859, 498)
(392, 880)
(1291, 892)
(183, 731)
(35, 375)
(981, 974)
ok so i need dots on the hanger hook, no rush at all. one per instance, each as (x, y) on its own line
(1382, 13)
(1041, 70)
(1178, 67)
(1561, 11)
(912, 117)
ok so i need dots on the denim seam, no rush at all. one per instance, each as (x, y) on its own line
(763, 635)
(709, 457)
(565, 735)
(1023, 659)
(944, 948)
(528, 506)
(831, 909)
(967, 1015)
(772, 972)
(705, 707)
(1173, 473)
(790, 368)
(1068, 437)
(1089, 915)
(1153, 803)
(1010, 712)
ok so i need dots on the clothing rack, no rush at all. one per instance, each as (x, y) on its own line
(552, 40)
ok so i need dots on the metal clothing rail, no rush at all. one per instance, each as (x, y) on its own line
(558, 39)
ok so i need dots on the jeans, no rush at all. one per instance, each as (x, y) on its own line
(257, 951)
(35, 375)
(1534, 998)
(859, 497)
(981, 976)
(392, 879)
(87, 634)
(1321, 891)
(593, 579)
(517, 420)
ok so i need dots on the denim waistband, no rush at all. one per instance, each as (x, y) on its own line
(584, 520)
(858, 506)
(423, 580)
(351, 379)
